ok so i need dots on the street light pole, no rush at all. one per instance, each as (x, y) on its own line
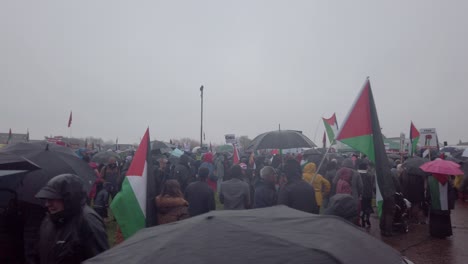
(201, 121)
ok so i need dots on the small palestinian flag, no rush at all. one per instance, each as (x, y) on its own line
(361, 131)
(414, 138)
(331, 126)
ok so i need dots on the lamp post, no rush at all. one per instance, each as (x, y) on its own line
(201, 119)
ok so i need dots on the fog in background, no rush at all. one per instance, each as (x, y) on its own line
(124, 65)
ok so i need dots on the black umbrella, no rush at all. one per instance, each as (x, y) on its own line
(281, 139)
(14, 162)
(103, 157)
(9, 166)
(52, 160)
(270, 235)
(412, 166)
(161, 147)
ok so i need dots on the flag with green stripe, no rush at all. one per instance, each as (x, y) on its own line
(414, 138)
(331, 126)
(133, 207)
(361, 131)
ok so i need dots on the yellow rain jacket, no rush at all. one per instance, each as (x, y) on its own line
(320, 184)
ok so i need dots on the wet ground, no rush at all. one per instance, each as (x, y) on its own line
(420, 248)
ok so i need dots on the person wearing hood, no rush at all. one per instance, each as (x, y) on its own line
(71, 232)
(356, 181)
(320, 184)
(182, 172)
(297, 193)
(208, 163)
(342, 205)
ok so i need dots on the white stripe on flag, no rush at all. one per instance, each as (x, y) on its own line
(138, 184)
(443, 196)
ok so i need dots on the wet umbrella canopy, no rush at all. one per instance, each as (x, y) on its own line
(412, 166)
(10, 165)
(103, 157)
(281, 139)
(440, 166)
(52, 160)
(271, 235)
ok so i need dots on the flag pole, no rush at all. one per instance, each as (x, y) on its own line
(323, 159)
(317, 127)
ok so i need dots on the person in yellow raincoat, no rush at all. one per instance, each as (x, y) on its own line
(320, 184)
(457, 183)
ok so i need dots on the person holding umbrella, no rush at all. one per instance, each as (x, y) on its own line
(439, 195)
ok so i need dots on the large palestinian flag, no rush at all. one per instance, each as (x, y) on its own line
(331, 126)
(133, 206)
(414, 138)
(361, 131)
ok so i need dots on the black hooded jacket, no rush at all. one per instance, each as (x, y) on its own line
(182, 172)
(75, 234)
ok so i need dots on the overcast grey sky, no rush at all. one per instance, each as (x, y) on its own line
(124, 65)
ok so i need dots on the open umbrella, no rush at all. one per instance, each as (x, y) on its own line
(52, 160)
(412, 166)
(440, 166)
(160, 147)
(281, 139)
(270, 235)
(103, 157)
(10, 165)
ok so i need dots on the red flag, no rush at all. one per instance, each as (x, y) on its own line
(236, 158)
(70, 119)
(324, 140)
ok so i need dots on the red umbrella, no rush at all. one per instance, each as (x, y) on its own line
(440, 166)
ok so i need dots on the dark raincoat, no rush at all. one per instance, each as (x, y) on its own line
(75, 234)
(182, 172)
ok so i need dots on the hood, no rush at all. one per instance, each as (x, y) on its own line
(69, 188)
(345, 174)
(348, 163)
(208, 157)
(310, 168)
(342, 205)
(184, 159)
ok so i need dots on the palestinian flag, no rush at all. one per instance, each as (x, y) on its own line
(439, 194)
(414, 138)
(133, 207)
(361, 131)
(235, 157)
(331, 126)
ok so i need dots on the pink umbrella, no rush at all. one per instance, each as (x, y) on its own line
(440, 166)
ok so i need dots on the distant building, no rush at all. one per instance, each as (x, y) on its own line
(15, 137)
